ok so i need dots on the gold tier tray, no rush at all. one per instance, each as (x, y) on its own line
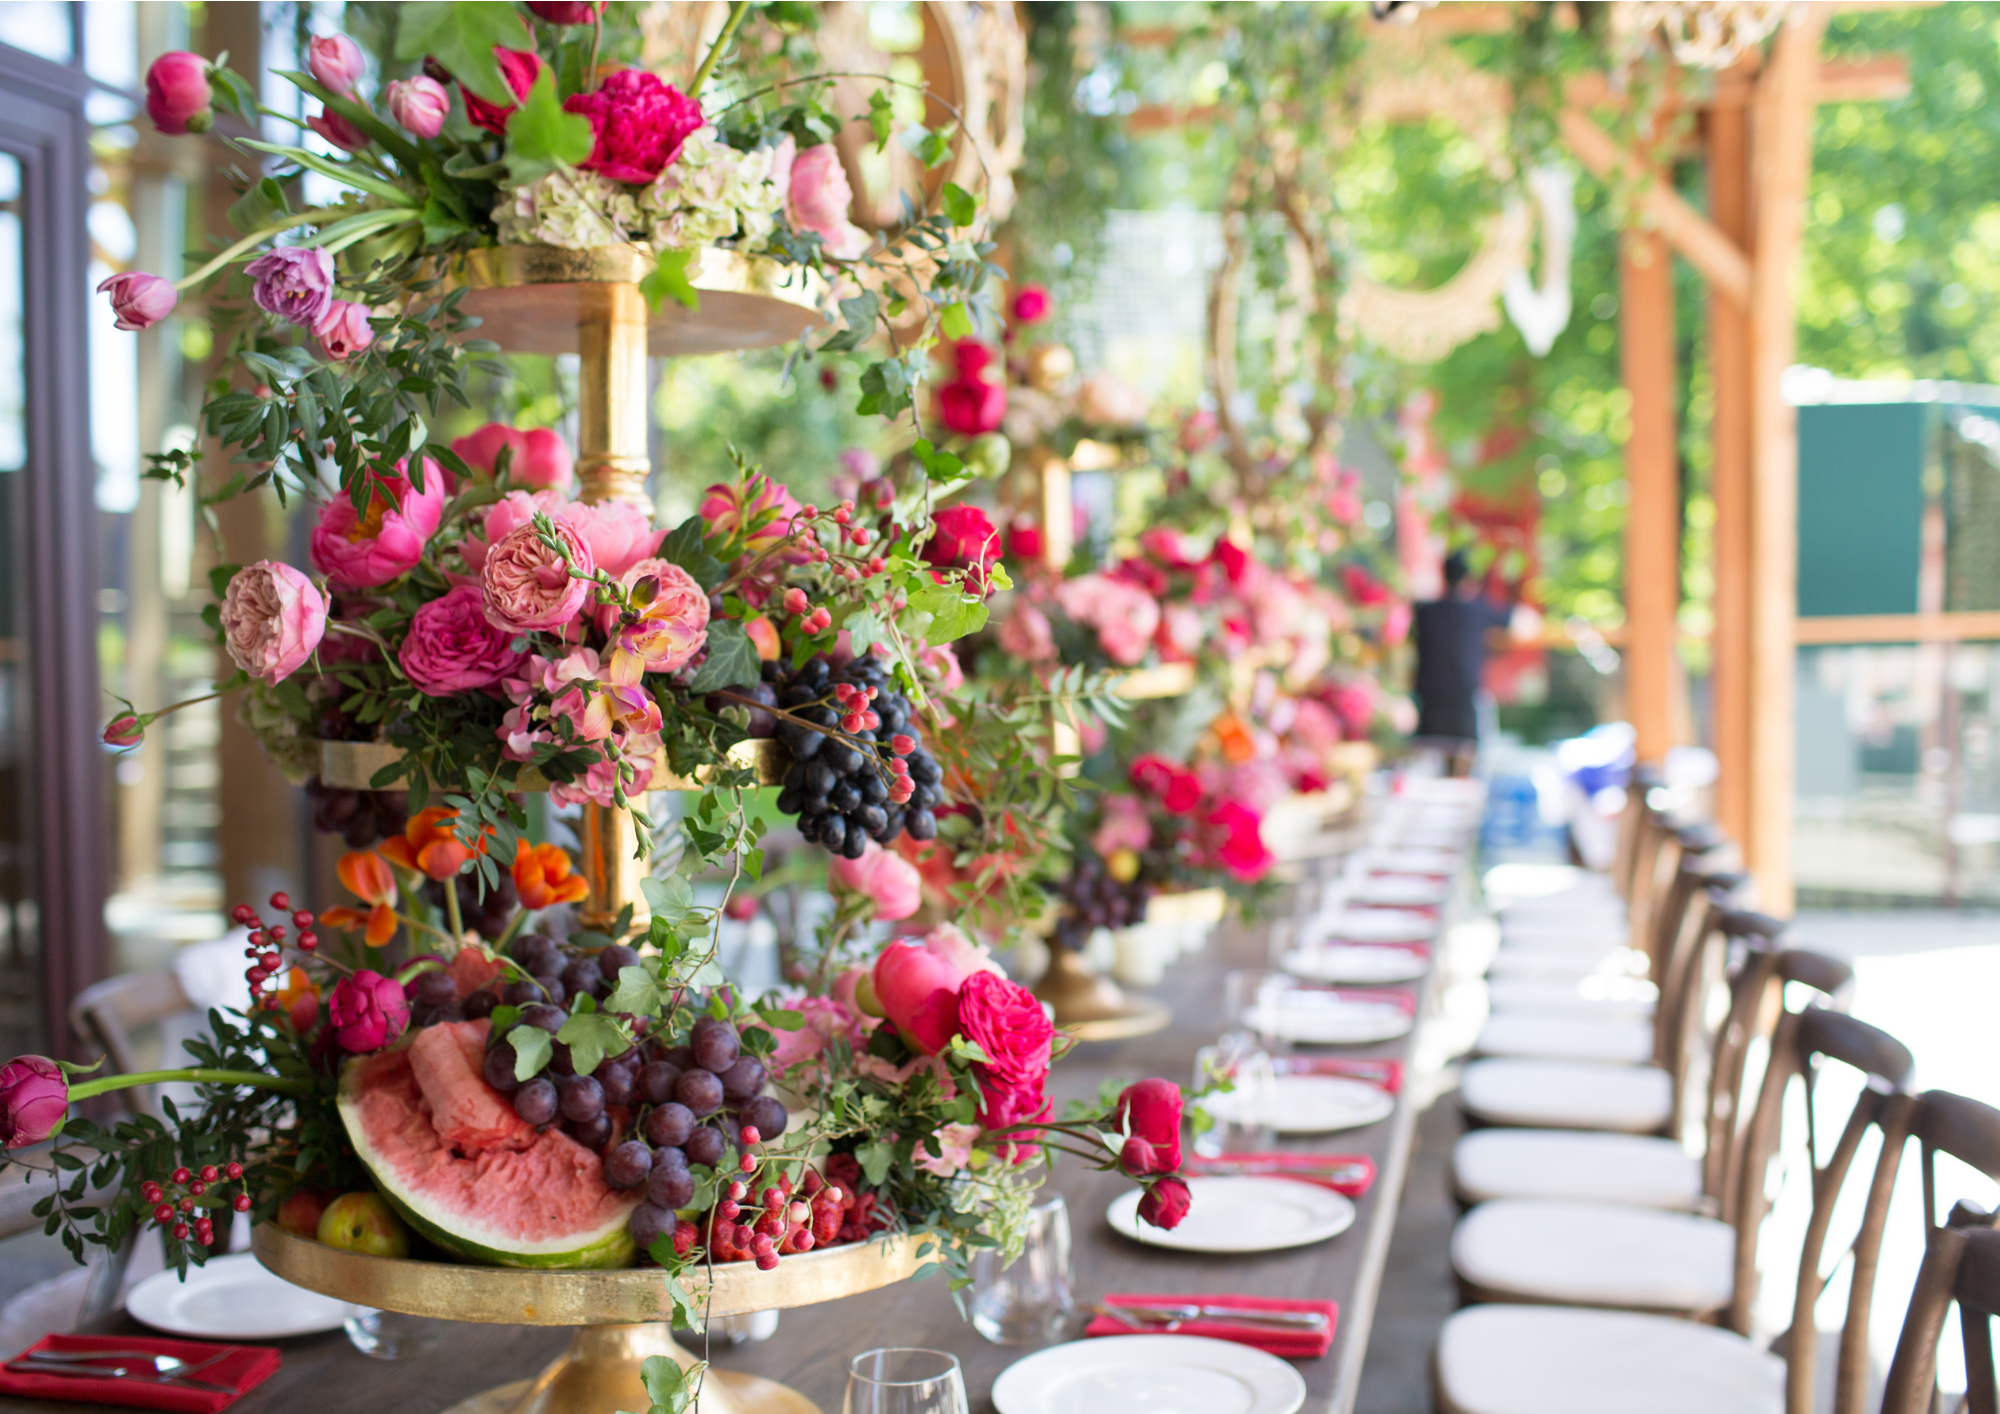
(351, 765)
(533, 298)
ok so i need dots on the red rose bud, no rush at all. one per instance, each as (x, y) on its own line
(34, 1100)
(971, 407)
(1151, 1110)
(178, 96)
(124, 731)
(1165, 1203)
(1139, 1159)
(564, 12)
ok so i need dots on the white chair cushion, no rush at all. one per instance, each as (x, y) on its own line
(1551, 939)
(1565, 1038)
(1555, 1360)
(1527, 962)
(1596, 1254)
(1643, 1171)
(1567, 909)
(1595, 997)
(1549, 1094)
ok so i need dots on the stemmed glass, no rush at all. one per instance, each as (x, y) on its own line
(1241, 1115)
(1026, 1302)
(904, 1380)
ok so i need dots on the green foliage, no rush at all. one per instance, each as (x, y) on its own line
(541, 137)
(462, 37)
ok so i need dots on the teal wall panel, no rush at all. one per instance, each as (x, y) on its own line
(1861, 507)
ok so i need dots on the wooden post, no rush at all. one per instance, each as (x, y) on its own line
(1728, 142)
(1783, 113)
(1652, 473)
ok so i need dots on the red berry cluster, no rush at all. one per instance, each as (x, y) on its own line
(185, 1194)
(267, 940)
(857, 1209)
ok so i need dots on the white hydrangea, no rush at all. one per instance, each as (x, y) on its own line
(710, 193)
(576, 210)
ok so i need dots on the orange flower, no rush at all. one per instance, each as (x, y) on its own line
(427, 844)
(368, 878)
(1237, 744)
(542, 877)
(298, 999)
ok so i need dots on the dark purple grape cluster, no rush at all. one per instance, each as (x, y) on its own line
(557, 1094)
(359, 817)
(872, 781)
(486, 909)
(1093, 899)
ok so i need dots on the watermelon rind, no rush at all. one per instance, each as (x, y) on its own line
(606, 1246)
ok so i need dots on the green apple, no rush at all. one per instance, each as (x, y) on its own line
(365, 1223)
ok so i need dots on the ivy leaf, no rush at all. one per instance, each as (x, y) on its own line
(541, 137)
(959, 204)
(860, 314)
(669, 276)
(956, 321)
(666, 1383)
(875, 1158)
(881, 117)
(953, 613)
(669, 898)
(732, 659)
(945, 467)
(687, 547)
(533, 1049)
(462, 37)
(885, 389)
(864, 631)
(638, 993)
(591, 1036)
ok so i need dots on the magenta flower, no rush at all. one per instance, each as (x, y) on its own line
(368, 1011)
(337, 130)
(178, 96)
(420, 104)
(293, 282)
(971, 407)
(272, 619)
(618, 533)
(639, 122)
(34, 1100)
(1032, 304)
(528, 586)
(962, 538)
(520, 67)
(124, 730)
(362, 551)
(565, 12)
(343, 330)
(452, 648)
(139, 300)
(335, 60)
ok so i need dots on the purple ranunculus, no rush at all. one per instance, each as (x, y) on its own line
(293, 282)
(34, 1100)
(368, 1011)
(452, 648)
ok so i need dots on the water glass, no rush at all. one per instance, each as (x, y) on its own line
(1239, 1115)
(389, 1335)
(1027, 1301)
(904, 1380)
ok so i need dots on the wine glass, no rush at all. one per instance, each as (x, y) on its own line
(904, 1380)
(1027, 1301)
(1240, 1114)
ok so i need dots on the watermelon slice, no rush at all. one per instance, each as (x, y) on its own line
(452, 1157)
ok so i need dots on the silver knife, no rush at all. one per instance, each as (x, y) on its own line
(30, 1365)
(1176, 1314)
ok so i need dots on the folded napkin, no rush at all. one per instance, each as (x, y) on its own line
(1292, 1344)
(1383, 1072)
(241, 1367)
(1401, 996)
(1289, 1159)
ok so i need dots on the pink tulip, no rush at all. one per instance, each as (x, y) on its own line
(335, 60)
(139, 300)
(337, 130)
(420, 104)
(887, 880)
(178, 96)
(918, 991)
(34, 1100)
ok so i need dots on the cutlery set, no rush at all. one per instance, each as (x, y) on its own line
(140, 1366)
(1171, 1317)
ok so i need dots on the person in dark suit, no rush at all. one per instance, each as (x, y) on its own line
(1450, 635)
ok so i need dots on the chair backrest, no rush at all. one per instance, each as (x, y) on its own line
(1632, 822)
(1658, 857)
(1961, 1263)
(1700, 896)
(105, 1014)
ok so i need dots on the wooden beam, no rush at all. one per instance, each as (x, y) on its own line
(1158, 117)
(1720, 260)
(1877, 78)
(1727, 134)
(1652, 475)
(1781, 161)
(1969, 626)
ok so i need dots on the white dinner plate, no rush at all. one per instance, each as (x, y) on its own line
(1375, 925)
(1309, 1104)
(231, 1298)
(1322, 1019)
(1149, 1374)
(1357, 962)
(1400, 890)
(1397, 860)
(1241, 1214)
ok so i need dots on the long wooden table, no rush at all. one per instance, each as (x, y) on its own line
(812, 1347)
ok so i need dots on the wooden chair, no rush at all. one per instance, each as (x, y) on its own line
(106, 1014)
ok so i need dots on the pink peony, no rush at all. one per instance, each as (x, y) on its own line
(918, 991)
(1026, 635)
(1236, 838)
(887, 880)
(511, 511)
(362, 551)
(420, 105)
(452, 648)
(272, 619)
(178, 96)
(520, 67)
(673, 620)
(539, 458)
(337, 130)
(34, 1101)
(971, 407)
(639, 122)
(617, 532)
(335, 60)
(961, 538)
(528, 586)
(292, 282)
(1126, 824)
(818, 199)
(343, 330)
(368, 1011)
(139, 300)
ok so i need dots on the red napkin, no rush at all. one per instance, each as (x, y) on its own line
(1289, 1159)
(1401, 996)
(1383, 1072)
(242, 1368)
(1293, 1345)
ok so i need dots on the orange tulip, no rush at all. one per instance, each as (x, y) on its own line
(1238, 746)
(542, 876)
(298, 999)
(428, 845)
(369, 879)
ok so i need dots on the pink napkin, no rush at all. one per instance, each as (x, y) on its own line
(1292, 1344)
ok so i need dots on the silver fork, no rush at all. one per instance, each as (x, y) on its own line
(158, 1369)
(1173, 1316)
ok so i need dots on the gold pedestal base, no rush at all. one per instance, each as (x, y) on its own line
(1095, 1008)
(601, 1372)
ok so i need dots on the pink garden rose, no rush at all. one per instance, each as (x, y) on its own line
(818, 199)
(520, 67)
(971, 407)
(617, 532)
(527, 585)
(673, 618)
(368, 1011)
(139, 300)
(335, 60)
(539, 460)
(1005, 1020)
(1026, 635)
(178, 96)
(452, 648)
(272, 619)
(34, 1100)
(511, 511)
(639, 122)
(420, 105)
(343, 330)
(361, 552)
(887, 880)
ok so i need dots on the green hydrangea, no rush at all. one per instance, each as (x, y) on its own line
(576, 210)
(711, 193)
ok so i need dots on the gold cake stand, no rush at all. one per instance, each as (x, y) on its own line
(621, 1316)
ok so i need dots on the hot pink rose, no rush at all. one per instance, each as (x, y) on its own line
(887, 880)
(1166, 1203)
(1236, 834)
(639, 121)
(617, 532)
(1151, 1110)
(1005, 1020)
(528, 586)
(971, 407)
(1031, 304)
(362, 551)
(452, 648)
(1003, 1102)
(511, 511)
(272, 619)
(368, 1011)
(139, 300)
(343, 330)
(961, 538)
(520, 67)
(178, 96)
(419, 104)
(819, 198)
(34, 1100)
(918, 991)
(1178, 788)
(539, 458)
(335, 60)
(567, 12)
(1026, 634)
